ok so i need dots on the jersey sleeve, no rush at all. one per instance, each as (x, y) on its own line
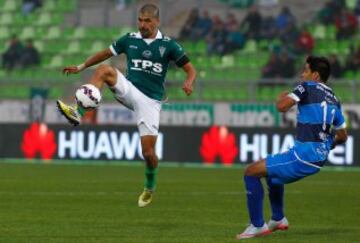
(299, 93)
(339, 120)
(176, 53)
(119, 46)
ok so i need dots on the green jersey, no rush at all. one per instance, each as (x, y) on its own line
(148, 61)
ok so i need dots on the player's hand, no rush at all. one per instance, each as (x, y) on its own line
(71, 70)
(283, 94)
(188, 88)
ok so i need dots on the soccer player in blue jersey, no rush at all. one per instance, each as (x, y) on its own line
(320, 127)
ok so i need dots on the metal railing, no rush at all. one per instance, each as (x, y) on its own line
(262, 90)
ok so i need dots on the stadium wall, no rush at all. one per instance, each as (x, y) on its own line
(201, 145)
(177, 114)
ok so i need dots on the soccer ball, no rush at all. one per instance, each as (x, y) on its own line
(88, 96)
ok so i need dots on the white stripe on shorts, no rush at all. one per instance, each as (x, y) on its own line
(305, 162)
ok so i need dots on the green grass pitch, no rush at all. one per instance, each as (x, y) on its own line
(96, 203)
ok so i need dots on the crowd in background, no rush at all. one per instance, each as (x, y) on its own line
(28, 6)
(346, 21)
(336, 12)
(224, 36)
(19, 55)
(287, 39)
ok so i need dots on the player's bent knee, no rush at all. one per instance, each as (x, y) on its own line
(249, 171)
(106, 71)
(257, 168)
(149, 154)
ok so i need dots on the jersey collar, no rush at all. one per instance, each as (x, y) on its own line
(325, 86)
(149, 40)
(158, 36)
(319, 83)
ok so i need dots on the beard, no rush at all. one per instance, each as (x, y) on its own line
(145, 33)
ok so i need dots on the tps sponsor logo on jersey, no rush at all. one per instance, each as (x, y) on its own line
(147, 66)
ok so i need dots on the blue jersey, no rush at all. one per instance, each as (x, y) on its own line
(319, 111)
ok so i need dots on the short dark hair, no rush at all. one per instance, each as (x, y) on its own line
(320, 65)
(151, 9)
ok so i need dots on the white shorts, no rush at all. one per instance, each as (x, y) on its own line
(147, 110)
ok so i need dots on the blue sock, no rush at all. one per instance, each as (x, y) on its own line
(276, 197)
(255, 197)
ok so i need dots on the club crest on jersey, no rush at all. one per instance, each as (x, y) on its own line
(147, 54)
(162, 50)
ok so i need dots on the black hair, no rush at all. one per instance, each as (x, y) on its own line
(320, 65)
(151, 9)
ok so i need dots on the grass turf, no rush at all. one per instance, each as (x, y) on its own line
(93, 203)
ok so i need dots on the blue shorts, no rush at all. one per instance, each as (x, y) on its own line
(286, 167)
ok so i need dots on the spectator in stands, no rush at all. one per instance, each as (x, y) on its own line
(271, 68)
(353, 60)
(346, 24)
(30, 55)
(251, 25)
(190, 24)
(326, 15)
(268, 28)
(357, 9)
(304, 43)
(202, 27)
(336, 69)
(29, 6)
(289, 34)
(284, 20)
(235, 40)
(286, 65)
(217, 37)
(231, 22)
(11, 57)
(339, 5)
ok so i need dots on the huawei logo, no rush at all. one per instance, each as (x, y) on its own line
(218, 142)
(38, 139)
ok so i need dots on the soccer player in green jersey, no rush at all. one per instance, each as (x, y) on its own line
(142, 90)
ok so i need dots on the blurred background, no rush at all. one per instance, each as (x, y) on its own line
(245, 51)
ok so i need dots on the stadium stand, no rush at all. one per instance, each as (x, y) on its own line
(65, 35)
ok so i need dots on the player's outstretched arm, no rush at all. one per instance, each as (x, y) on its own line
(92, 60)
(188, 85)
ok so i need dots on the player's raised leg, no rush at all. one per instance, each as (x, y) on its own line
(148, 151)
(70, 112)
(104, 74)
